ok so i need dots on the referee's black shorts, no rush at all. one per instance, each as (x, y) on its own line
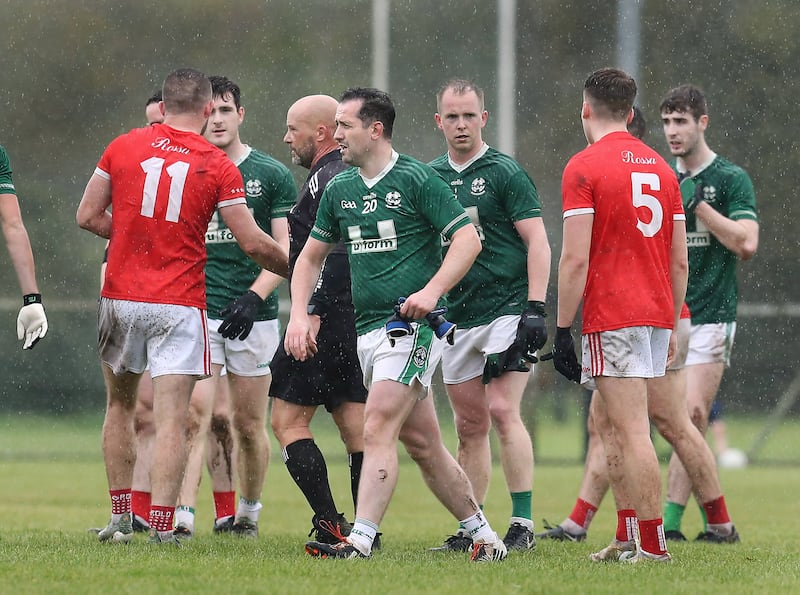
(333, 376)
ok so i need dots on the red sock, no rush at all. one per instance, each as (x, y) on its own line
(140, 503)
(717, 511)
(120, 501)
(583, 513)
(652, 535)
(626, 524)
(160, 517)
(224, 504)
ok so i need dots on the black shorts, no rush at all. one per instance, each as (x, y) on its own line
(332, 377)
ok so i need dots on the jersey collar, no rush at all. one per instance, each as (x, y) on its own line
(459, 167)
(370, 182)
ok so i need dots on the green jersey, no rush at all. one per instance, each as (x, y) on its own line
(391, 226)
(6, 183)
(495, 192)
(271, 192)
(712, 292)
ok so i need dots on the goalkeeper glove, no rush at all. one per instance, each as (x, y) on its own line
(532, 331)
(240, 315)
(564, 358)
(31, 321)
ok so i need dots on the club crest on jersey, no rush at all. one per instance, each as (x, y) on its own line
(392, 200)
(253, 188)
(478, 187)
(420, 356)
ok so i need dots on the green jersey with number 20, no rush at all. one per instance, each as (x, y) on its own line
(712, 293)
(391, 225)
(495, 192)
(271, 192)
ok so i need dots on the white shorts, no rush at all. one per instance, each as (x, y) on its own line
(165, 338)
(711, 343)
(633, 352)
(250, 357)
(413, 357)
(682, 337)
(466, 358)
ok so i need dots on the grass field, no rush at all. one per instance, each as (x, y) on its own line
(52, 488)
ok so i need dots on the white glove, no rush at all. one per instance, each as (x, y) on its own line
(31, 322)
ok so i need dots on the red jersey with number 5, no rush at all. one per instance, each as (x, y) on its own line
(634, 197)
(165, 186)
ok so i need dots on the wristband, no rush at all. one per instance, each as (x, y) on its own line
(31, 298)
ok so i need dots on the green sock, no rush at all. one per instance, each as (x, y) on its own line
(673, 515)
(704, 517)
(521, 504)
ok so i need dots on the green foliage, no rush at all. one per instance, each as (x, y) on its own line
(54, 489)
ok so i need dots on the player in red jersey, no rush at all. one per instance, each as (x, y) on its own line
(624, 255)
(163, 184)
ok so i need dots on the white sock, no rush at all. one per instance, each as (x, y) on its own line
(184, 515)
(572, 527)
(362, 535)
(527, 523)
(478, 528)
(248, 509)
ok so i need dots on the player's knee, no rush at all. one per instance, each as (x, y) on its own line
(473, 426)
(503, 415)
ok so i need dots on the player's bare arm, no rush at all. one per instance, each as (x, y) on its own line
(679, 275)
(300, 340)
(739, 236)
(267, 281)
(464, 248)
(93, 212)
(573, 266)
(259, 246)
(18, 243)
(534, 235)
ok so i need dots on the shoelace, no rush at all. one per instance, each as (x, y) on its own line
(333, 529)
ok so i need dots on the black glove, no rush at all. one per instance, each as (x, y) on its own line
(564, 358)
(532, 331)
(239, 316)
(692, 194)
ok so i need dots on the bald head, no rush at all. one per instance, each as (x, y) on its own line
(310, 124)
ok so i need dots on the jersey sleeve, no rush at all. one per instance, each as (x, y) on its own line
(576, 189)
(742, 204)
(325, 229)
(6, 181)
(285, 195)
(231, 185)
(521, 198)
(440, 206)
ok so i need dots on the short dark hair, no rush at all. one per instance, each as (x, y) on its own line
(154, 98)
(685, 99)
(611, 92)
(186, 90)
(222, 86)
(459, 87)
(638, 125)
(377, 106)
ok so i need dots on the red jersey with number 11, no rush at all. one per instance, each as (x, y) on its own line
(165, 186)
(634, 196)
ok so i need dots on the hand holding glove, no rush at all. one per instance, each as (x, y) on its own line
(31, 321)
(240, 315)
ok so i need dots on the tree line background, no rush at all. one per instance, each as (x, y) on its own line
(76, 74)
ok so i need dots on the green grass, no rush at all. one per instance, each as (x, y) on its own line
(52, 488)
